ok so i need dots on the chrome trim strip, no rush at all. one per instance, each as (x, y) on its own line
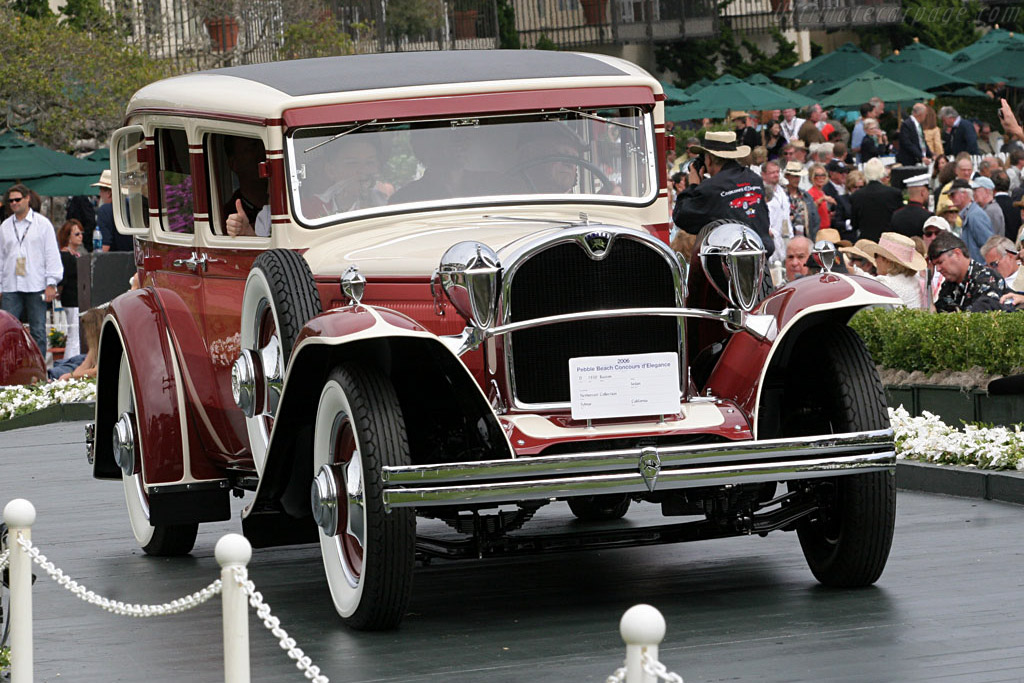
(634, 483)
(852, 443)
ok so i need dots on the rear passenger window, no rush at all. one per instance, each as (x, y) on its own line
(175, 181)
(236, 181)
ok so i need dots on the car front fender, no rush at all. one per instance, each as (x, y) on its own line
(797, 306)
(437, 393)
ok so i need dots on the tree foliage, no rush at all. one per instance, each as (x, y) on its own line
(947, 25)
(508, 36)
(321, 38)
(60, 84)
(729, 52)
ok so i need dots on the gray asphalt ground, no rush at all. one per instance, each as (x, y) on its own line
(948, 608)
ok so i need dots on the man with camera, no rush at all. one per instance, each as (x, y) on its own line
(719, 187)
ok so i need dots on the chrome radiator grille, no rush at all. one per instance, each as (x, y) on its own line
(564, 279)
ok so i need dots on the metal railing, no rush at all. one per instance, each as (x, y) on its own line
(785, 15)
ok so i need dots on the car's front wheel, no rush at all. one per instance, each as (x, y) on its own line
(175, 539)
(846, 543)
(368, 552)
(280, 297)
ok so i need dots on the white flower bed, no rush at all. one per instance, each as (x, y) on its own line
(18, 400)
(929, 439)
(925, 438)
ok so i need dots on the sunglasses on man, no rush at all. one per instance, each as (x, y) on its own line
(993, 264)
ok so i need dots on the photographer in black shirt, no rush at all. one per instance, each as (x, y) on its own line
(722, 189)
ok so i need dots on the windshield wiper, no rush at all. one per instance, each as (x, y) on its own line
(595, 117)
(353, 129)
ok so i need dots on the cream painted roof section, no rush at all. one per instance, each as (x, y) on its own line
(231, 95)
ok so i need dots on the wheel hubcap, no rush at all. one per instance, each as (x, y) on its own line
(124, 443)
(324, 498)
(247, 385)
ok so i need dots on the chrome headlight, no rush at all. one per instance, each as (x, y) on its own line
(470, 276)
(733, 258)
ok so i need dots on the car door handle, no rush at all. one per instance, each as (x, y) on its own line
(194, 263)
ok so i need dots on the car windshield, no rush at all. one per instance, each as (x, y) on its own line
(366, 168)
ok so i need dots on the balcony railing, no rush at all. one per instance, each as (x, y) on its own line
(813, 15)
(578, 23)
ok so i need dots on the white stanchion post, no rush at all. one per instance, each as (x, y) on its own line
(642, 628)
(19, 516)
(233, 551)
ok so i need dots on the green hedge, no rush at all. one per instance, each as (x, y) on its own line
(905, 339)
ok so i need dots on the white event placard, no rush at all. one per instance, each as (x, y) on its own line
(624, 386)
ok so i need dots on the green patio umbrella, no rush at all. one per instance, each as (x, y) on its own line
(729, 93)
(696, 85)
(992, 41)
(848, 60)
(919, 53)
(674, 95)
(867, 85)
(966, 91)
(918, 75)
(47, 172)
(798, 100)
(1006, 63)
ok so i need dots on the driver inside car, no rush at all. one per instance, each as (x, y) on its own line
(549, 158)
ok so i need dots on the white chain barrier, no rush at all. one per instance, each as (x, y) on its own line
(273, 624)
(642, 628)
(233, 552)
(116, 606)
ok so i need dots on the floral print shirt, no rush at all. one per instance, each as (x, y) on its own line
(979, 291)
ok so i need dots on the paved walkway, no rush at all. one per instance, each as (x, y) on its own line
(950, 605)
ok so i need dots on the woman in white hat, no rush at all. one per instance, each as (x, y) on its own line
(899, 264)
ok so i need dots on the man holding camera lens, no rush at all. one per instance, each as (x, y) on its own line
(719, 187)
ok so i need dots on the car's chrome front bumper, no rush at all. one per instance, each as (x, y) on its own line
(638, 470)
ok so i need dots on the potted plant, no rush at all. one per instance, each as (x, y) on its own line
(221, 23)
(465, 13)
(57, 340)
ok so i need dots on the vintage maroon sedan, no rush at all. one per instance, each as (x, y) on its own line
(451, 297)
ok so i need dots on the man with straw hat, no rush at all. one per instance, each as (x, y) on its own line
(898, 264)
(724, 189)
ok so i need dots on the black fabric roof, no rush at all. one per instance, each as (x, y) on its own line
(403, 69)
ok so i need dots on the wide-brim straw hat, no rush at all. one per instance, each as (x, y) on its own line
(863, 248)
(104, 179)
(899, 249)
(794, 168)
(721, 144)
(827, 234)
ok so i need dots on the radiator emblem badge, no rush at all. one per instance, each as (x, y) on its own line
(650, 467)
(598, 242)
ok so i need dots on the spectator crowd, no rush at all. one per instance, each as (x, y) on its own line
(935, 214)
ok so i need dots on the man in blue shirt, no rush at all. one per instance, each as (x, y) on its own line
(977, 227)
(112, 239)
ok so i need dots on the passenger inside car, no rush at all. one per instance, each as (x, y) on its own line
(246, 212)
(351, 166)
